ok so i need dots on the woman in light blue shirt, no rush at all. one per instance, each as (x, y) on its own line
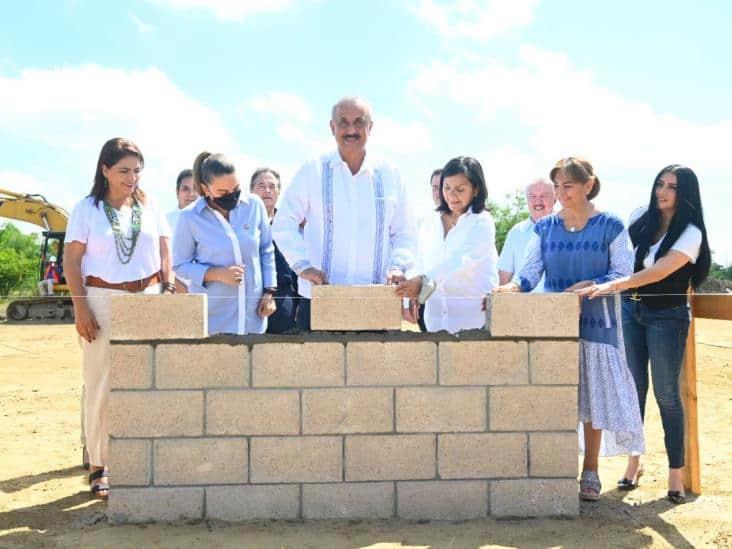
(223, 244)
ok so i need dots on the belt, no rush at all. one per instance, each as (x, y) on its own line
(132, 286)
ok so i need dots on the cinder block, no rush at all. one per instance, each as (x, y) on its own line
(200, 461)
(130, 366)
(554, 362)
(129, 461)
(390, 457)
(373, 500)
(392, 363)
(344, 308)
(238, 503)
(533, 315)
(440, 409)
(351, 410)
(156, 316)
(155, 413)
(154, 504)
(532, 408)
(199, 366)
(483, 363)
(297, 364)
(482, 455)
(553, 454)
(248, 412)
(442, 499)
(296, 459)
(534, 498)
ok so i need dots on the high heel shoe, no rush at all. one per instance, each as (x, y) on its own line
(631, 484)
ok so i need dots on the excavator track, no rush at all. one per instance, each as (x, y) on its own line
(55, 308)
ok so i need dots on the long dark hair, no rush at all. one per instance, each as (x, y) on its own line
(112, 152)
(473, 171)
(206, 166)
(688, 210)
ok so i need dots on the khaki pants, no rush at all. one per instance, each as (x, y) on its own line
(45, 287)
(96, 367)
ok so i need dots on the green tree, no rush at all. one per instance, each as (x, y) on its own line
(720, 271)
(507, 215)
(19, 255)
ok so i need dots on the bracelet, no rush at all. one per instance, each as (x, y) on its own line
(270, 291)
(169, 287)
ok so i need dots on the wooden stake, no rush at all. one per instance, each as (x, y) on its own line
(692, 467)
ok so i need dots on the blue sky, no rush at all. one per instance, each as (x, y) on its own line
(517, 83)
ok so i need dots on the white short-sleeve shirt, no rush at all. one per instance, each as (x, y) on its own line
(688, 243)
(89, 225)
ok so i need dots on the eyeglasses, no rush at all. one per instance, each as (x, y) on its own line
(359, 123)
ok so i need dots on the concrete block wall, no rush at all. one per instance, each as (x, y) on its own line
(344, 425)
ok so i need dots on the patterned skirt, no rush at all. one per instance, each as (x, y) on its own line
(608, 400)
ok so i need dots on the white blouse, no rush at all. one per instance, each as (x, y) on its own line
(464, 266)
(688, 243)
(89, 225)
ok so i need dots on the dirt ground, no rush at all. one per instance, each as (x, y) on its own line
(44, 501)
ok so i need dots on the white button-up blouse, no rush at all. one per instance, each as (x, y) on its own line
(464, 266)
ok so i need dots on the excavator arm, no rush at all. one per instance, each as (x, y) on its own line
(33, 208)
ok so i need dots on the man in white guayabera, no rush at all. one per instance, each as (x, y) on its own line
(540, 198)
(358, 226)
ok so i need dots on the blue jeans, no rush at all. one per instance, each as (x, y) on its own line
(659, 335)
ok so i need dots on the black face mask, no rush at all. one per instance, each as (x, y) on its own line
(228, 201)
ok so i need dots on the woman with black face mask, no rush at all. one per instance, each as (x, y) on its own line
(223, 244)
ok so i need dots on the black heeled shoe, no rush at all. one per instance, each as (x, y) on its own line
(628, 484)
(676, 497)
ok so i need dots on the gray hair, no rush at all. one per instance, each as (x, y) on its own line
(539, 181)
(262, 171)
(351, 100)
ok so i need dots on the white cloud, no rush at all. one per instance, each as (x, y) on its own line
(231, 10)
(479, 20)
(399, 138)
(562, 110)
(141, 25)
(569, 113)
(284, 105)
(76, 109)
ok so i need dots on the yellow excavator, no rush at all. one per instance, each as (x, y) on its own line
(52, 219)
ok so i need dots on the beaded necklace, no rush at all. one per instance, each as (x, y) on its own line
(124, 245)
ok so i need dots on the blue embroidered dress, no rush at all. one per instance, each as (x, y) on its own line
(599, 252)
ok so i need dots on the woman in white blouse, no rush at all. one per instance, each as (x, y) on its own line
(457, 253)
(117, 242)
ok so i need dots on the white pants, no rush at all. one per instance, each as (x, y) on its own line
(45, 287)
(96, 367)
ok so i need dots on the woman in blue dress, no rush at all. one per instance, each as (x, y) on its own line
(576, 248)
(223, 244)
